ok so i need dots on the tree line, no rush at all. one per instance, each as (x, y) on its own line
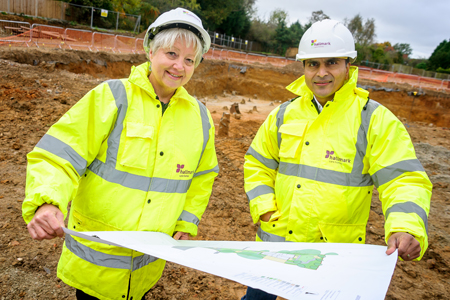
(276, 34)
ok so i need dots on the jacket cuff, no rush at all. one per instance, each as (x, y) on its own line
(258, 207)
(417, 232)
(40, 196)
(187, 227)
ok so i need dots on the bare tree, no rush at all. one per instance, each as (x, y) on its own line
(317, 16)
(277, 16)
(363, 32)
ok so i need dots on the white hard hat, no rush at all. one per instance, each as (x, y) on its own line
(178, 18)
(327, 38)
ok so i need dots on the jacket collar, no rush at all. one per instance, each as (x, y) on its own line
(139, 76)
(299, 88)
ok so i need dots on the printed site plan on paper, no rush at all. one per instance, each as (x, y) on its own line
(290, 270)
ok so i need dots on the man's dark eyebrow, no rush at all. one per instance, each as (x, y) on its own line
(333, 59)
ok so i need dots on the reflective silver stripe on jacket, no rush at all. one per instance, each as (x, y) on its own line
(269, 237)
(164, 185)
(409, 207)
(355, 178)
(391, 172)
(267, 162)
(61, 149)
(361, 140)
(110, 174)
(206, 126)
(215, 170)
(189, 217)
(280, 120)
(258, 191)
(324, 175)
(143, 260)
(107, 260)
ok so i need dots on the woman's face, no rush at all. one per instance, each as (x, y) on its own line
(172, 67)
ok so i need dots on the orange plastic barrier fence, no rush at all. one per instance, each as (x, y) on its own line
(104, 41)
(21, 33)
(139, 46)
(125, 44)
(413, 80)
(47, 36)
(77, 39)
(14, 32)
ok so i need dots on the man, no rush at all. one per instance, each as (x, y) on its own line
(310, 171)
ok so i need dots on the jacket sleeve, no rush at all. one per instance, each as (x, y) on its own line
(260, 168)
(403, 185)
(201, 186)
(63, 154)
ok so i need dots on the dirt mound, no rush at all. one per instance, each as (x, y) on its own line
(296, 66)
(33, 95)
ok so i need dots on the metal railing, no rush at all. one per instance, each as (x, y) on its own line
(80, 14)
(230, 41)
(101, 18)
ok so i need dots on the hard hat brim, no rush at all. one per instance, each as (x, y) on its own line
(351, 54)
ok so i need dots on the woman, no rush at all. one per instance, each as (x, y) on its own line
(134, 154)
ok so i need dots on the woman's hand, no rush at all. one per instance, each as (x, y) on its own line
(46, 223)
(181, 236)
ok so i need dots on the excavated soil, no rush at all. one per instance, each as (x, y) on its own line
(38, 86)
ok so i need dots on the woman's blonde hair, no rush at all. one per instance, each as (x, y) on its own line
(167, 38)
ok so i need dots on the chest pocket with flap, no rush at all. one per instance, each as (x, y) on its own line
(291, 139)
(138, 139)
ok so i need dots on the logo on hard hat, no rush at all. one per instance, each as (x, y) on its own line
(191, 15)
(316, 44)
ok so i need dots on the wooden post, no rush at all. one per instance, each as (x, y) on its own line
(224, 124)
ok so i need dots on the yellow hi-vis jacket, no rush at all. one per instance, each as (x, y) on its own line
(125, 167)
(317, 171)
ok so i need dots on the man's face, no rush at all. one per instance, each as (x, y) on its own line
(324, 76)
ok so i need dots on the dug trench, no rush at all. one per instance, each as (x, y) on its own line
(37, 86)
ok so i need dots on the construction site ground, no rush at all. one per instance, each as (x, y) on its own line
(37, 86)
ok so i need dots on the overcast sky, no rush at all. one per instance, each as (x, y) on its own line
(422, 24)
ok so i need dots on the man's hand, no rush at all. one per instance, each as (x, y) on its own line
(181, 236)
(408, 247)
(46, 223)
(266, 217)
